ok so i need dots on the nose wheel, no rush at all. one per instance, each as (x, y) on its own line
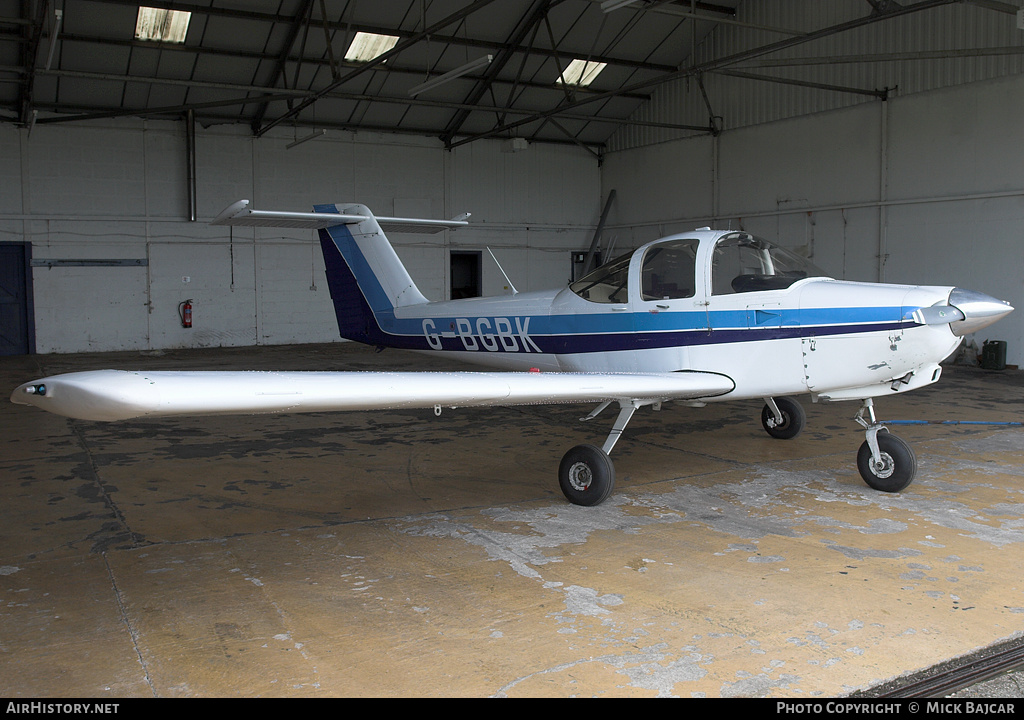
(886, 462)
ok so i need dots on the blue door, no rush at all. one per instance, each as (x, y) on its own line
(14, 302)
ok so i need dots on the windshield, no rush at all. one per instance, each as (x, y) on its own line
(744, 263)
(607, 284)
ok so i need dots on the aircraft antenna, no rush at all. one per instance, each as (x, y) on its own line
(514, 291)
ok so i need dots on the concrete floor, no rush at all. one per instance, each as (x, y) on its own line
(402, 554)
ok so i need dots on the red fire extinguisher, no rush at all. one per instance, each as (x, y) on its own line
(185, 313)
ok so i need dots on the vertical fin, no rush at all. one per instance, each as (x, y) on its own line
(366, 278)
(356, 321)
(381, 276)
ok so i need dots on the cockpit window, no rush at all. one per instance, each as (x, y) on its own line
(607, 284)
(744, 263)
(668, 270)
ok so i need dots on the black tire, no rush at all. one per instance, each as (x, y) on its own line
(899, 464)
(793, 419)
(586, 475)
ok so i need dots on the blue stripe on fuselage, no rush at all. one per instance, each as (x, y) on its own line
(561, 344)
(568, 334)
(366, 314)
(645, 322)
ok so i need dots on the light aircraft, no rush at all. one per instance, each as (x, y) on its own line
(696, 317)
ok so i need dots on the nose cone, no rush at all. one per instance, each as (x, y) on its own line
(979, 310)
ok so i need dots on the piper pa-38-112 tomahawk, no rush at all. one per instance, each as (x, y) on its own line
(698, 317)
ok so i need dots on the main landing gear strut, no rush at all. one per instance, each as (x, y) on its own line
(885, 462)
(586, 473)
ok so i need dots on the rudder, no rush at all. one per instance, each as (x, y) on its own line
(366, 278)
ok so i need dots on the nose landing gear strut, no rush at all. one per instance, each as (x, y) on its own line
(885, 462)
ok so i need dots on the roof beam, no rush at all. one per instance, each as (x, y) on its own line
(312, 98)
(995, 5)
(950, 54)
(379, 30)
(305, 11)
(219, 52)
(724, 62)
(270, 94)
(320, 124)
(675, 10)
(33, 34)
(880, 94)
(536, 12)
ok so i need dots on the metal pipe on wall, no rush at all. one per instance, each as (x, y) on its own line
(190, 150)
(883, 190)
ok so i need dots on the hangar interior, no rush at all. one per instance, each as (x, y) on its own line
(399, 554)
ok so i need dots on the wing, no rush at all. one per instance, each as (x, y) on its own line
(122, 395)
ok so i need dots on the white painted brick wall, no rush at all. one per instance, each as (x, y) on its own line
(814, 183)
(117, 190)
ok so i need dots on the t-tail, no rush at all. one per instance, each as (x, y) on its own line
(366, 278)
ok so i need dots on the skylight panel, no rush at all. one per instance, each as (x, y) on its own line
(366, 46)
(581, 72)
(162, 25)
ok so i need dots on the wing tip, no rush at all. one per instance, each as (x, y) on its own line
(230, 212)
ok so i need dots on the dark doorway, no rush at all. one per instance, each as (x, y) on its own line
(579, 263)
(466, 272)
(15, 318)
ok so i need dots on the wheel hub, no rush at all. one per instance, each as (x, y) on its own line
(885, 467)
(580, 476)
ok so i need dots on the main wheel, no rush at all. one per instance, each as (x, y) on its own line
(793, 419)
(897, 468)
(586, 475)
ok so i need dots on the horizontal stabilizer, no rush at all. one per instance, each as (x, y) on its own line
(108, 395)
(240, 214)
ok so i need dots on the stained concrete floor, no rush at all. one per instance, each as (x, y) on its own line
(403, 554)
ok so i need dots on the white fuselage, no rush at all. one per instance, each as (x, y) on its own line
(697, 317)
(831, 338)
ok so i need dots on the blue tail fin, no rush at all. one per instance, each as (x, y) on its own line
(356, 320)
(366, 278)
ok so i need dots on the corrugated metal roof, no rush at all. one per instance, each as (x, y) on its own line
(280, 63)
(941, 45)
